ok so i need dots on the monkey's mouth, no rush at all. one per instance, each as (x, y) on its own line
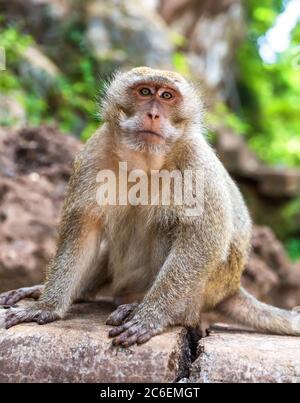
(150, 133)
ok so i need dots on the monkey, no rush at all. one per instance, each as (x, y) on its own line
(165, 267)
(12, 297)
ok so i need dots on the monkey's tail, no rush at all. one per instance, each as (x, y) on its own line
(247, 310)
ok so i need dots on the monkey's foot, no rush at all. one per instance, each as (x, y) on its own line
(135, 331)
(121, 313)
(10, 298)
(14, 316)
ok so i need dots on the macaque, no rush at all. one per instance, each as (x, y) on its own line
(165, 266)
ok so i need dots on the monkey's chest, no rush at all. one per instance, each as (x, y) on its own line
(136, 253)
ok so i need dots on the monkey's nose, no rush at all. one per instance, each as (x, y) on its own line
(153, 116)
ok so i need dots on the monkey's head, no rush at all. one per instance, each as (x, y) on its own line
(151, 109)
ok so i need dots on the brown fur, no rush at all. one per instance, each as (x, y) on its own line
(176, 266)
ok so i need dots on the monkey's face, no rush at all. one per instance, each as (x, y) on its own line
(152, 120)
(153, 108)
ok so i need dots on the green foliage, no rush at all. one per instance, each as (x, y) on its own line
(68, 98)
(270, 104)
(178, 40)
(14, 45)
(293, 248)
(223, 116)
(180, 64)
(261, 15)
(270, 93)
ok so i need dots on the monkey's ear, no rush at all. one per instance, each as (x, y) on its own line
(106, 82)
(197, 86)
(202, 93)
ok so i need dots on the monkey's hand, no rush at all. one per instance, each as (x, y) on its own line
(10, 298)
(30, 313)
(139, 326)
(122, 313)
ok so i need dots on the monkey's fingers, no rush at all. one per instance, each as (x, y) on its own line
(15, 316)
(127, 340)
(120, 314)
(10, 298)
(133, 332)
(120, 329)
(146, 337)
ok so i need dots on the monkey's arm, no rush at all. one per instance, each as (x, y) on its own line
(76, 255)
(77, 249)
(195, 253)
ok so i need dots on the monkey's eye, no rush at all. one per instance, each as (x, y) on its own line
(145, 92)
(166, 95)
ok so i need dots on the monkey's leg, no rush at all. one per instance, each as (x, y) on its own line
(172, 298)
(10, 298)
(97, 278)
(247, 310)
(76, 257)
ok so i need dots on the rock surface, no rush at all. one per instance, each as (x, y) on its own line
(78, 350)
(120, 33)
(272, 193)
(213, 30)
(11, 111)
(35, 165)
(128, 33)
(269, 274)
(234, 356)
(272, 182)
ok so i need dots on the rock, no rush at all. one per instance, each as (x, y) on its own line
(213, 31)
(35, 165)
(78, 350)
(235, 154)
(280, 182)
(39, 61)
(41, 18)
(128, 33)
(266, 247)
(269, 274)
(38, 71)
(229, 355)
(268, 267)
(273, 182)
(12, 113)
(272, 193)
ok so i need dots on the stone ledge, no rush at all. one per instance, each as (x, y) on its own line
(78, 350)
(230, 355)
